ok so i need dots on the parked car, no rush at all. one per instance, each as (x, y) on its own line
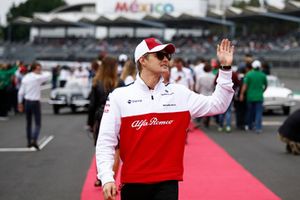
(277, 97)
(73, 95)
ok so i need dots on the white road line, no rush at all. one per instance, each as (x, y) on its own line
(43, 142)
(47, 140)
(17, 149)
(271, 123)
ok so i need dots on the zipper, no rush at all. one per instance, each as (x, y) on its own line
(152, 97)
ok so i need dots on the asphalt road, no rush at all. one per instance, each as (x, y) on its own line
(58, 171)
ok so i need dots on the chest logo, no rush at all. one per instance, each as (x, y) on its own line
(138, 124)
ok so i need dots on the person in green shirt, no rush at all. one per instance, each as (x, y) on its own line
(6, 74)
(254, 85)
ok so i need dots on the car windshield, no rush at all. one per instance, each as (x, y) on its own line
(274, 82)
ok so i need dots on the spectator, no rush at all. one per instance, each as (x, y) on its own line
(82, 76)
(181, 75)
(30, 90)
(205, 85)
(104, 82)
(240, 106)
(255, 83)
(122, 60)
(6, 75)
(129, 72)
(64, 75)
(55, 74)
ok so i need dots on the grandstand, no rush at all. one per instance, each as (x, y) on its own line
(253, 30)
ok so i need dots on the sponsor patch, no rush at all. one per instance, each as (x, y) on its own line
(130, 101)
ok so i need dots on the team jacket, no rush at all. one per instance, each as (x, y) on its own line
(150, 127)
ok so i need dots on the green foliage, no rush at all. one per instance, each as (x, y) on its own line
(254, 3)
(27, 9)
(239, 4)
(243, 4)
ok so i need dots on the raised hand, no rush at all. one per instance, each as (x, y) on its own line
(225, 52)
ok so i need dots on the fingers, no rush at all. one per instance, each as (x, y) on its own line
(225, 46)
(109, 191)
(114, 192)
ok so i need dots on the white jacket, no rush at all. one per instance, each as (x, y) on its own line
(150, 127)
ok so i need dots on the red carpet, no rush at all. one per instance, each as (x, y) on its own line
(210, 174)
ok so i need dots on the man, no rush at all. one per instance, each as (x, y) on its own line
(30, 91)
(148, 120)
(254, 85)
(181, 75)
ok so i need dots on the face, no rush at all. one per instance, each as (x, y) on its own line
(38, 69)
(157, 62)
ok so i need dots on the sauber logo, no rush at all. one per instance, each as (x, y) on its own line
(134, 101)
(138, 124)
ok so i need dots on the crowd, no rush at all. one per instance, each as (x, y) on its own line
(249, 84)
(85, 49)
(221, 90)
(185, 43)
(199, 76)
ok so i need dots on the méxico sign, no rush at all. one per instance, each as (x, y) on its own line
(152, 6)
(136, 7)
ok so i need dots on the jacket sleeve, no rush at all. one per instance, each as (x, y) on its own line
(21, 92)
(44, 76)
(218, 102)
(108, 140)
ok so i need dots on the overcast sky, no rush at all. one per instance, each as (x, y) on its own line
(6, 4)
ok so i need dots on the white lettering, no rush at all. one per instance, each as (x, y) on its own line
(136, 7)
(138, 124)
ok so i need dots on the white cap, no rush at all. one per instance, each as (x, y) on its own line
(151, 45)
(123, 57)
(256, 64)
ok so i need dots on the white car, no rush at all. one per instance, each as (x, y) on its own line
(73, 95)
(277, 96)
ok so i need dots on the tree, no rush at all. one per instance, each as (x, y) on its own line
(243, 4)
(254, 3)
(239, 4)
(26, 9)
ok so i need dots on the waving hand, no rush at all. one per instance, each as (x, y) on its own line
(225, 52)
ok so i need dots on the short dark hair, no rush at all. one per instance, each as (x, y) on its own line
(179, 60)
(34, 66)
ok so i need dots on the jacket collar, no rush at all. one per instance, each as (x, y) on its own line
(141, 84)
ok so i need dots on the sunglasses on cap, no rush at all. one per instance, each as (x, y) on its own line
(161, 55)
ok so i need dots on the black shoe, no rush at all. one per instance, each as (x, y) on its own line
(35, 145)
(29, 145)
